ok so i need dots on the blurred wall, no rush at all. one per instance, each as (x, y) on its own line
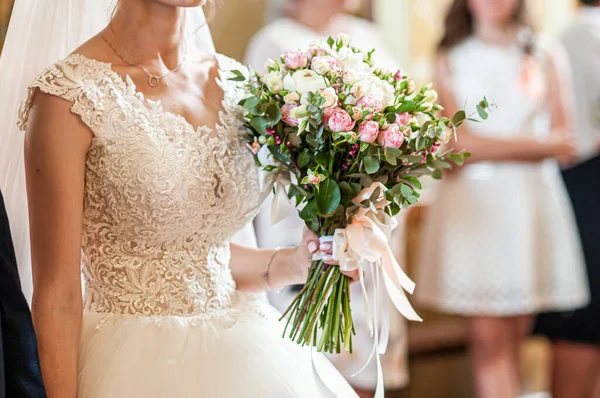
(5, 9)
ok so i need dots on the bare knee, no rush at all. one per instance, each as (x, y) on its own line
(488, 337)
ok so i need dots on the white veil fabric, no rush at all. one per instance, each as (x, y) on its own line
(40, 33)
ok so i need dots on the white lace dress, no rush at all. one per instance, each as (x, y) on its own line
(162, 200)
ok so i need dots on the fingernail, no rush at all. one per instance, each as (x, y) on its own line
(312, 247)
(325, 246)
(327, 258)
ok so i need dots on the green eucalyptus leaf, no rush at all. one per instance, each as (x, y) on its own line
(414, 181)
(437, 174)
(250, 102)
(356, 188)
(346, 189)
(366, 181)
(259, 124)
(303, 159)
(274, 113)
(371, 164)
(482, 113)
(458, 118)
(406, 190)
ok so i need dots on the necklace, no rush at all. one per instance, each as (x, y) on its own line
(153, 80)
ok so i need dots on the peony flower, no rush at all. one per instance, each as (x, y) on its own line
(304, 81)
(376, 88)
(391, 137)
(331, 98)
(291, 98)
(368, 131)
(368, 101)
(274, 81)
(286, 116)
(351, 60)
(403, 119)
(340, 121)
(265, 157)
(295, 59)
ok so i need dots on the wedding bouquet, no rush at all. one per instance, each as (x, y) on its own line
(348, 142)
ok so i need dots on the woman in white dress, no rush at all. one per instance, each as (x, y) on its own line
(137, 169)
(501, 241)
(306, 21)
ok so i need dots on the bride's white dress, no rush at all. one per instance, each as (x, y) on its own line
(162, 200)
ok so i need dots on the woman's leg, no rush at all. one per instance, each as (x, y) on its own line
(492, 352)
(521, 328)
(575, 370)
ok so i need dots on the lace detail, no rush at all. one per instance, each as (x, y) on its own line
(162, 199)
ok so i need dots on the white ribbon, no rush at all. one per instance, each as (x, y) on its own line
(365, 243)
(281, 207)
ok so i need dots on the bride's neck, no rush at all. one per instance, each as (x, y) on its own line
(317, 19)
(149, 31)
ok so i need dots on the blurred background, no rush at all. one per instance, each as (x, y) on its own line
(410, 29)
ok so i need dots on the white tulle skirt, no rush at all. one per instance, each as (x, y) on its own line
(240, 354)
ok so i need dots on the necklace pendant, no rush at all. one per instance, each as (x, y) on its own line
(153, 81)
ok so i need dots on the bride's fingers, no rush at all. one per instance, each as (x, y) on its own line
(353, 275)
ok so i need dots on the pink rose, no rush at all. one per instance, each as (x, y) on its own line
(326, 115)
(340, 121)
(391, 137)
(295, 59)
(368, 131)
(403, 119)
(285, 115)
(368, 101)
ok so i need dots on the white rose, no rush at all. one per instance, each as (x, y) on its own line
(271, 64)
(331, 98)
(378, 89)
(304, 81)
(291, 98)
(320, 65)
(265, 157)
(274, 81)
(422, 118)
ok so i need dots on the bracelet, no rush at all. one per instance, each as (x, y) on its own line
(266, 273)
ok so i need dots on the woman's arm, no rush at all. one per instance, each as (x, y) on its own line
(288, 266)
(494, 149)
(56, 144)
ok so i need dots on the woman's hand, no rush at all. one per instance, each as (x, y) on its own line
(310, 244)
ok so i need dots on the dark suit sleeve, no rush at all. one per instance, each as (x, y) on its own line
(20, 375)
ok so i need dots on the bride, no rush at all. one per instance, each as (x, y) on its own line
(137, 170)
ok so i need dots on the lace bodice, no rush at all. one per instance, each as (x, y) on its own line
(162, 199)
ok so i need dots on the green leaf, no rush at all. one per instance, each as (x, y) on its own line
(390, 159)
(485, 101)
(239, 76)
(482, 113)
(303, 159)
(382, 179)
(414, 181)
(309, 211)
(412, 199)
(390, 117)
(394, 152)
(260, 124)
(330, 41)
(278, 154)
(406, 191)
(346, 189)
(425, 126)
(250, 102)
(371, 164)
(458, 118)
(437, 174)
(440, 164)
(457, 158)
(322, 158)
(327, 197)
(411, 158)
(364, 146)
(366, 181)
(356, 188)
(407, 106)
(274, 113)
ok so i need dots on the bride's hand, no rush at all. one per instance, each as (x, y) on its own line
(310, 244)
